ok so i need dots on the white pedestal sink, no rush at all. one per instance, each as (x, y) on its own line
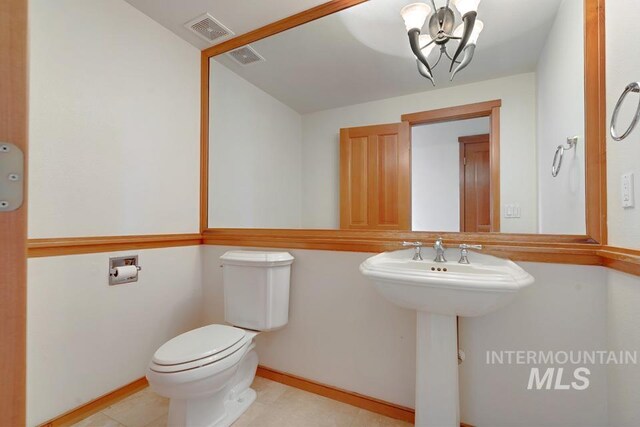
(440, 292)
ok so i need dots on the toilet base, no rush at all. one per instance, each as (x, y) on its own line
(202, 412)
(217, 402)
(235, 408)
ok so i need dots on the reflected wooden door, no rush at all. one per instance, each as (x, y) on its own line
(375, 177)
(475, 183)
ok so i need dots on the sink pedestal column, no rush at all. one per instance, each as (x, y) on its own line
(437, 399)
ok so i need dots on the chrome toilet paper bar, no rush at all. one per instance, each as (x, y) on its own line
(631, 87)
(123, 269)
(557, 158)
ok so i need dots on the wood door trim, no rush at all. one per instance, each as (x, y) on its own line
(489, 109)
(494, 141)
(86, 245)
(458, 112)
(474, 139)
(96, 405)
(13, 225)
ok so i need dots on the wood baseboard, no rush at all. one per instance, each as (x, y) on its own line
(96, 405)
(355, 399)
(371, 404)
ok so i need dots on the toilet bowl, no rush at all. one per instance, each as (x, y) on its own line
(207, 372)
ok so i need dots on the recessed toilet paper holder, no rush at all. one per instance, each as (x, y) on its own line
(120, 270)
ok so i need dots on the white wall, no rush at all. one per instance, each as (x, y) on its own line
(560, 111)
(624, 224)
(343, 333)
(624, 335)
(565, 309)
(254, 160)
(114, 149)
(435, 173)
(320, 162)
(86, 338)
(114, 122)
(622, 157)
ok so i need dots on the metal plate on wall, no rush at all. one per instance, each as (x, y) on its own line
(11, 177)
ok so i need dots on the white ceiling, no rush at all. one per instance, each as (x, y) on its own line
(240, 16)
(360, 54)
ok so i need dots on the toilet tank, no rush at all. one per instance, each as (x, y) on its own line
(256, 289)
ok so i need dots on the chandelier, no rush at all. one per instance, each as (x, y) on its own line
(441, 30)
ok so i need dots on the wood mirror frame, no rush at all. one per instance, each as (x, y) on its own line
(573, 249)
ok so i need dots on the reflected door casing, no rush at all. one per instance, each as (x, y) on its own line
(375, 177)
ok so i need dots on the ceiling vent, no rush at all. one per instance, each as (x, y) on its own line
(246, 55)
(208, 28)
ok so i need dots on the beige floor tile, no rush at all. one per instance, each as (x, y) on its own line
(299, 404)
(268, 391)
(139, 409)
(161, 421)
(254, 411)
(277, 405)
(367, 419)
(98, 420)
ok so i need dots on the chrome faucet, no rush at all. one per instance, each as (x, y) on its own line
(464, 252)
(417, 256)
(439, 247)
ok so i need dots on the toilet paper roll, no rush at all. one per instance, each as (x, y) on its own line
(126, 272)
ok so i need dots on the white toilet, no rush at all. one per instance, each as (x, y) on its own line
(206, 372)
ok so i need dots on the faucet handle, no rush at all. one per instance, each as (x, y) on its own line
(417, 256)
(467, 246)
(464, 252)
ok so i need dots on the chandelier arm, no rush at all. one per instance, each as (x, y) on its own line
(424, 72)
(433, 3)
(466, 59)
(414, 42)
(469, 20)
(428, 44)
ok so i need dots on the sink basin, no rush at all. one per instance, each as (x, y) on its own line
(481, 287)
(440, 291)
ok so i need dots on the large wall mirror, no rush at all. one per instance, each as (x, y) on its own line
(332, 124)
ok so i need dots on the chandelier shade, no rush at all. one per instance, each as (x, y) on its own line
(441, 29)
(415, 15)
(466, 6)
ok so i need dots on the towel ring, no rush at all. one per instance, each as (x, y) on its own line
(631, 87)
(557, 158)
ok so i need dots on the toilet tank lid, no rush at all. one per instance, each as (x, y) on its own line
(257, 258)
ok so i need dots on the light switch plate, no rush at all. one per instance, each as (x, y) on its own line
(628, 190)
(512, 210)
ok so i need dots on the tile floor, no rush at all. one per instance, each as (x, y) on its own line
(277, 405)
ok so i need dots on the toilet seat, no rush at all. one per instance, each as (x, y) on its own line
(199, 347)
